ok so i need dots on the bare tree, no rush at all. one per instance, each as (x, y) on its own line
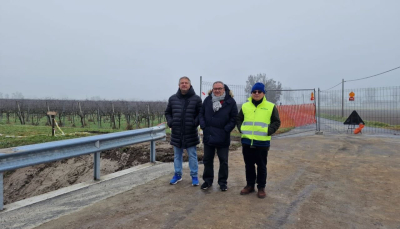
(17, 95)
(272, 87)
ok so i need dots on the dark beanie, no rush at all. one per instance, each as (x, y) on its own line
(258, 86)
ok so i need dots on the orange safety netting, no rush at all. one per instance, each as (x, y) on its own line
(296, 115)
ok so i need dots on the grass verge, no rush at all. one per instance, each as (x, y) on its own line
(367, 123)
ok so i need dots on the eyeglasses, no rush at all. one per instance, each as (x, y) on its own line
(218, 88)
(257, 92)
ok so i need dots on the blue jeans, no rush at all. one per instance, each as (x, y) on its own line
(178, 158)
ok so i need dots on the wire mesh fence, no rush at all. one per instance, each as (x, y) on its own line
(379, 108)
(297, 110)
(296, 107)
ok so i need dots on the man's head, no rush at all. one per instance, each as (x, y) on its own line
(184, 84)
(258, 91)
(218, 88)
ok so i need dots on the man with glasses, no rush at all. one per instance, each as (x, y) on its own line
(217, 120)
(257, 121)
(182, 116)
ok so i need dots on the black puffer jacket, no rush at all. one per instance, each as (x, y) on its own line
(217, 126)
(182, 115)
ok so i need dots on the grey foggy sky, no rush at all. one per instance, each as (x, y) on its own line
(139, 49)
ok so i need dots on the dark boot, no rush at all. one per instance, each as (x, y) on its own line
(246, 190)
(261, 193)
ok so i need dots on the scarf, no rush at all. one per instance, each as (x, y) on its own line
(216, 101)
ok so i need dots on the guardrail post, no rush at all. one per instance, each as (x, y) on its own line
(153, 151)
(96, 166)
(1, 192)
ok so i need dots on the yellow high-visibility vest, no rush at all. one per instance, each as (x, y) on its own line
(256, 120)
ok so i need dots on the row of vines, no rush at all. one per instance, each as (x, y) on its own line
(76, 113)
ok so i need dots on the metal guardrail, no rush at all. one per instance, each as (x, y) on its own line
(23, 156)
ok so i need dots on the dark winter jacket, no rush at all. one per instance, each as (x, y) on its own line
(217, 126)
(182, 115)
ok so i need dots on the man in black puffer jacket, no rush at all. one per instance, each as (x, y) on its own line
(182, 115)
(217, 120)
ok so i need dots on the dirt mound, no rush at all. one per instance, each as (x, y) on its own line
(35, 180)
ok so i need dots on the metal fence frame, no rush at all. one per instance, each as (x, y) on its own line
(383, 118)
(241, 97)
(379, 108)
(23, 156)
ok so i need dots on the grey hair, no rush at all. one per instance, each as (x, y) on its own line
(218, 82)
(184, 77)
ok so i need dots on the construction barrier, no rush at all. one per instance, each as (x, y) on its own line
(296, 115)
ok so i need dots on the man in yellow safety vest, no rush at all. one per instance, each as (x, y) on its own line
(257, 121)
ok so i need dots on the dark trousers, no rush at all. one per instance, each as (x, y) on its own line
(252, 157)
(208, 161)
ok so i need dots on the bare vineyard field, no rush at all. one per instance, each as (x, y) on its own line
(14, 134)
(25, 121)
(76, 113)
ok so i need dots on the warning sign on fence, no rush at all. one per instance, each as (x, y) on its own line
(351, 94)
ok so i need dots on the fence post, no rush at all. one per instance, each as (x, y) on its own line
(96, 166)
(316, 112)
(201, 82)
(153, 151)
(319, 110)
(1, 192)
(342, 98)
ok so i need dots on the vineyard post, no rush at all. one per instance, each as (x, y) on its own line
(148, 115)
(98, 117)
(52, 115)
